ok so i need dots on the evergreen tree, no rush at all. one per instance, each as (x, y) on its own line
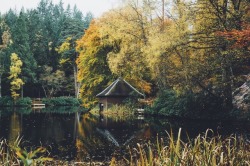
(72, 30)
(21, 46)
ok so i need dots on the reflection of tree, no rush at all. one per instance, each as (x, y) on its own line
(24, 110)
(51, 130)
(89, 143)
(15, 127)
(103, 137)
(62, 109)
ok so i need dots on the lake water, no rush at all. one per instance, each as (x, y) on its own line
(71, 135)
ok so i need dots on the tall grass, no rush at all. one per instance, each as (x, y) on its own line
(119, 110)
(204, 150)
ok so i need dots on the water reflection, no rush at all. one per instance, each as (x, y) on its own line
(15, 127)
(73, 135)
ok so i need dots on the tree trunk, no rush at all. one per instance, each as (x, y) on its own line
(0, 84)
(45, 93)
(22, 91)
(163, 14)
(75, 81)
(227, 84)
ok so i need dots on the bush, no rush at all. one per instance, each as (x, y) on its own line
(61, 101)
(6, 101)
(26, 101)
(132, 101)
(64, 109)
(189, 105)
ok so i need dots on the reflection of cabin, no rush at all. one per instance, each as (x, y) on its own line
(116, 93)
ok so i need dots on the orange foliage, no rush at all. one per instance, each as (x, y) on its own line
(241, 37)
(91, 37)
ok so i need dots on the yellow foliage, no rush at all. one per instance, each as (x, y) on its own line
(63, 61)
(15, 70)
(90, 39)
(17, 83)
(127, 30)
(65, 46)
(93, 72)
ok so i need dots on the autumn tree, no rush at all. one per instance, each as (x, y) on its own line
(15, 71)
(214, 16)
(240, 37)
(94, 73)
(168, 55)
(126, 28)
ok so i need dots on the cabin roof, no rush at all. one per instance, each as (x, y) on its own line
(119, 87)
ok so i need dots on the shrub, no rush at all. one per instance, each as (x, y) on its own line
(72, 101)
(132, 100)
(61, 101)
(64, 109)
(26, 101)
(6, 101)
(188, 105)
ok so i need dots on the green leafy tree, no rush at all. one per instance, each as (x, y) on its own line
(72, 30)
(52, 82)
(15, 71)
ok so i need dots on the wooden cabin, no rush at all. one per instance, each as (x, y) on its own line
(116, 93)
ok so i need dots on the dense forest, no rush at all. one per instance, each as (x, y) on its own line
(186, 55)
(36, 36)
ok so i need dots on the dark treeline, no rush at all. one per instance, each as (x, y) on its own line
(35, 36)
